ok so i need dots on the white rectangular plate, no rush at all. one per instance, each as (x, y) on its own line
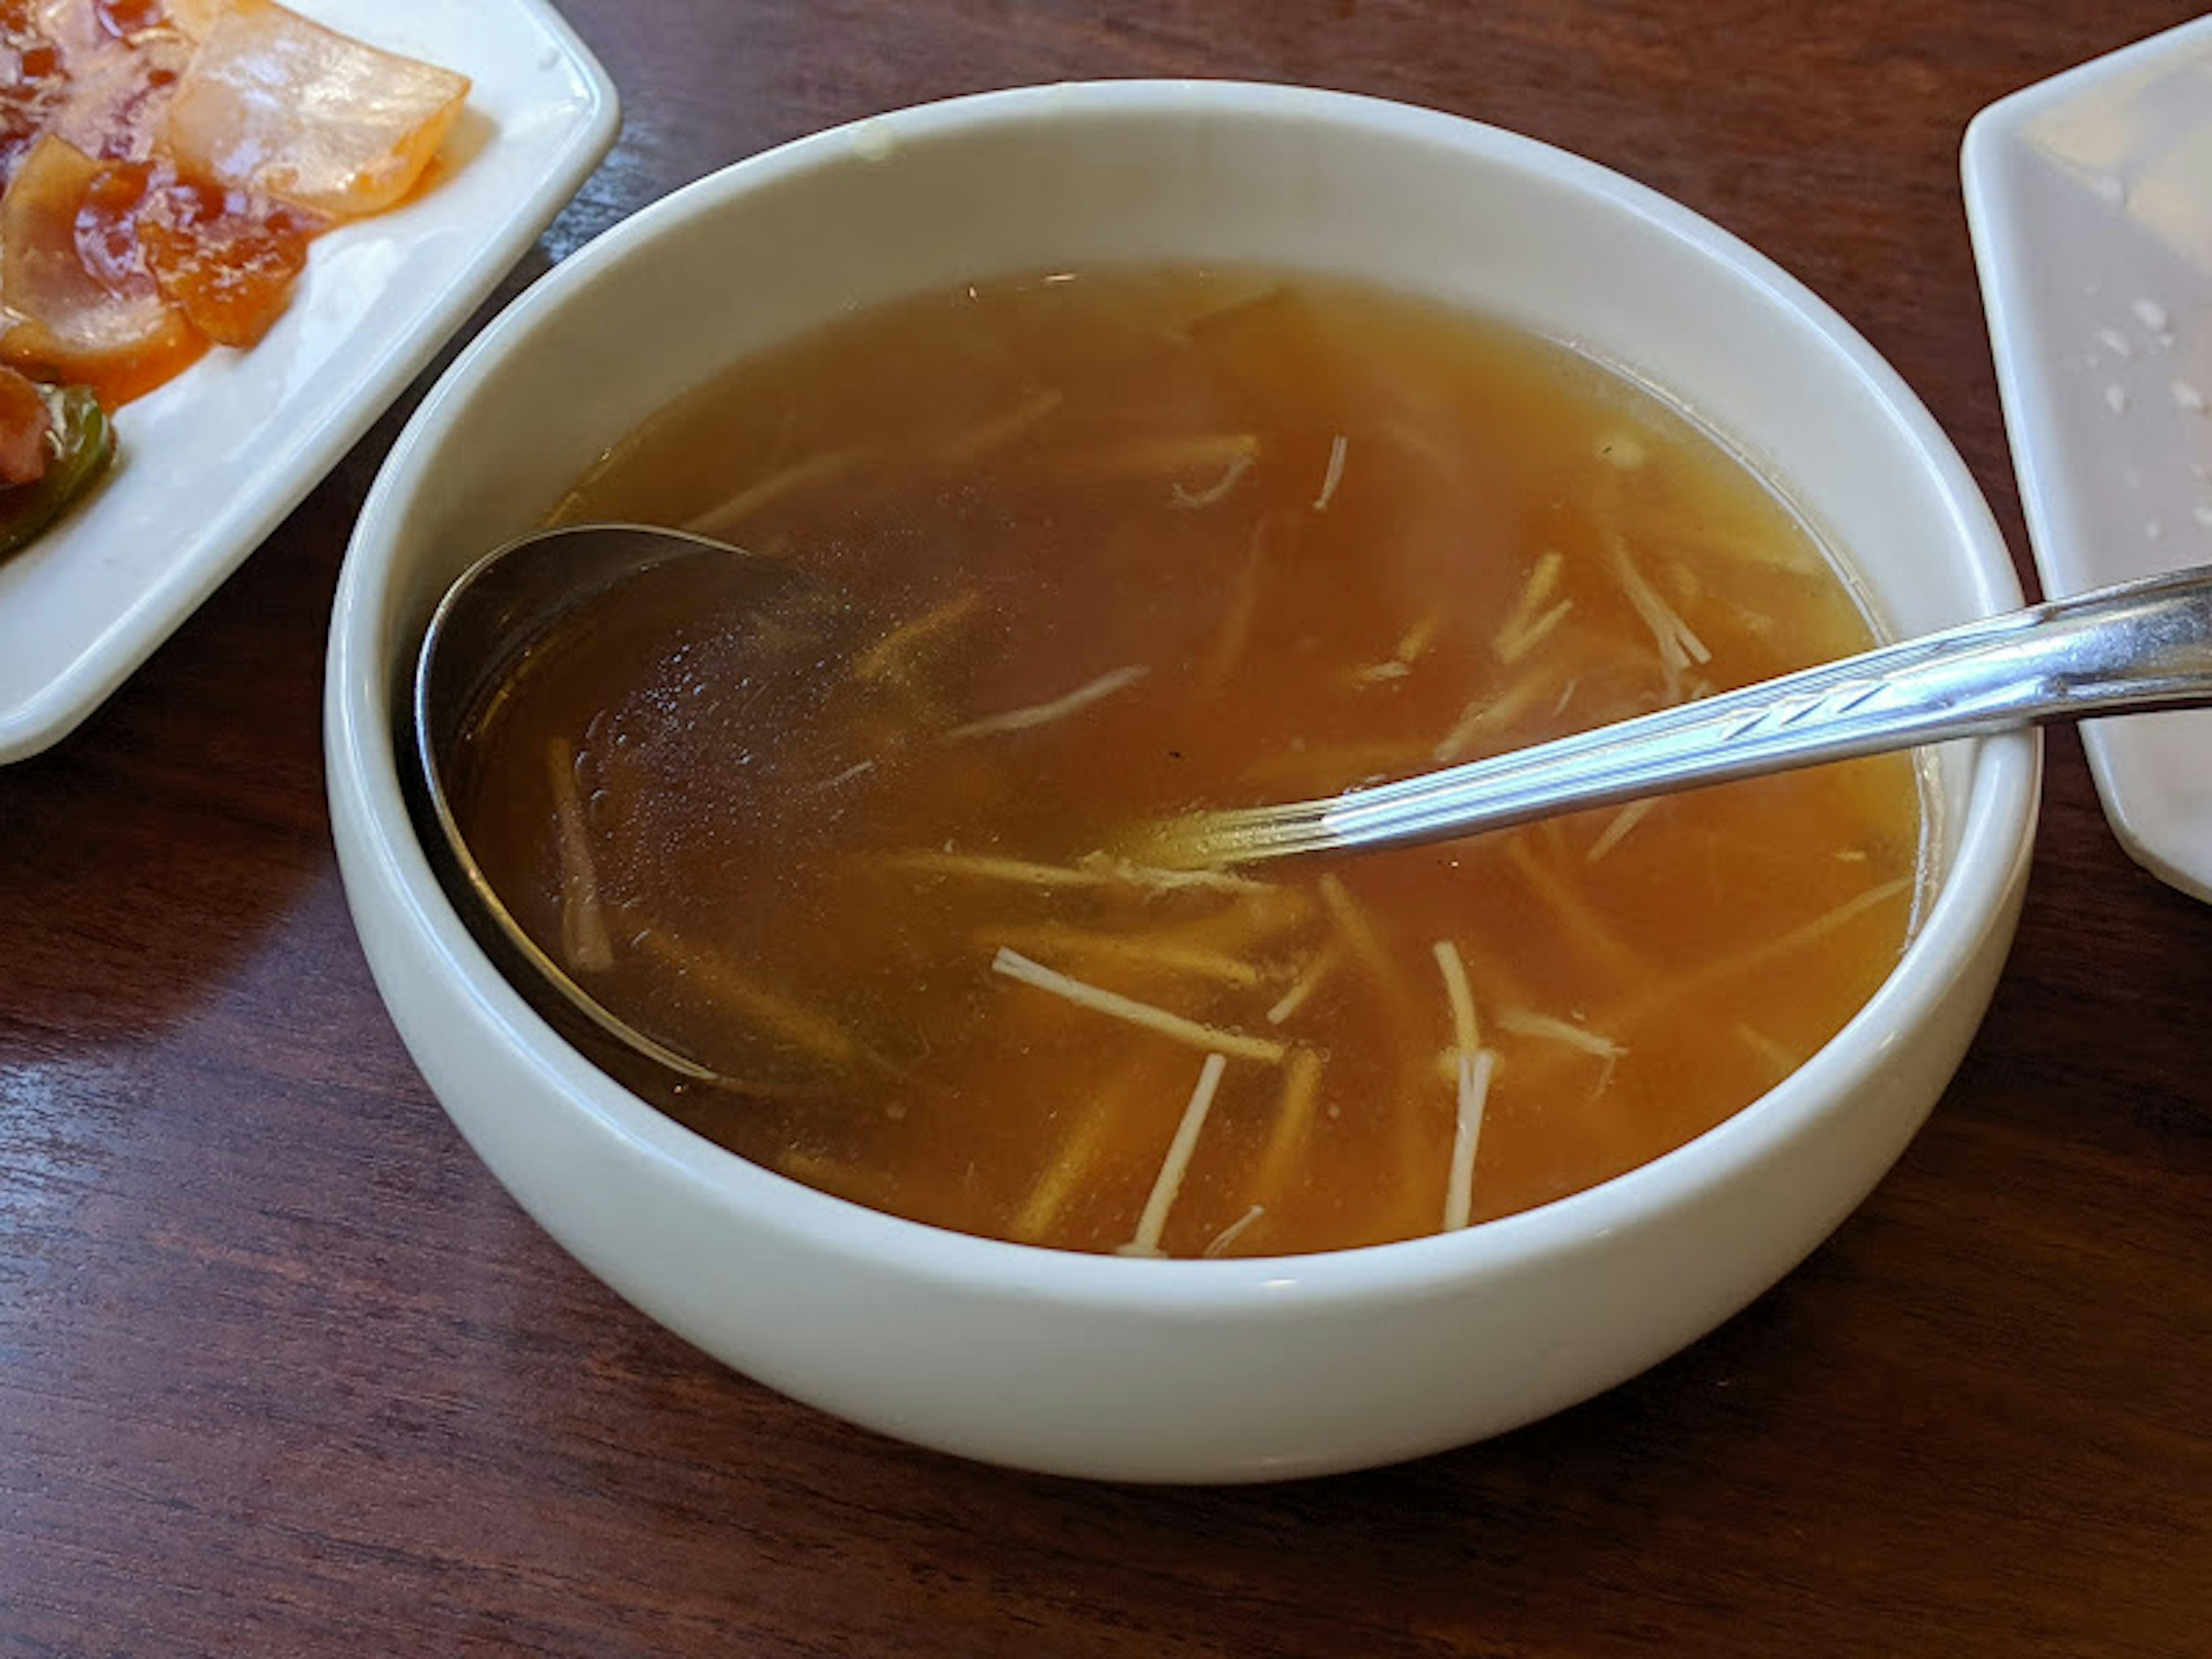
(212, 462)
(2090, 197)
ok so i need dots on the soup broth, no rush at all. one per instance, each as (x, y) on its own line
(1062, 554)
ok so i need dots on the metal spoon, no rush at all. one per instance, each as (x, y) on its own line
(2119, 650)
(2145, 645)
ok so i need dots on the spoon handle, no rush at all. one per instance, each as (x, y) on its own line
(2115, 650)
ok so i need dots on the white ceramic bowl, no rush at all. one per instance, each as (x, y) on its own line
(1169, 1370)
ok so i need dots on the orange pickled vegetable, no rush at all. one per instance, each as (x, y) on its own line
(165, 163)
(117, 89)
(226, 258)
(31, 98)
(275, 103)
(84, 305)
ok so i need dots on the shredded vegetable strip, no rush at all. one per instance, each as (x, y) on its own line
(1443, 459)
(1016, 966)
(1493, 710)
(1411, 645)
(1097, 869)
(1511, 647)
(1810, 932)
(983, 866)
(1698, 981)
(1132, 950)
(1286, 1145)
(885, 657)
(1207, 452)
(1678, 645)
(1474, 1073)
(1536, 592)
(1779, 1059)
(1334, 475)
(1219, 1243)
(1040, 1209)
(800, 475)
(1617, 828)
(1230, 476)
(1228, 310)
(722, 980)
(1365, 945)
(1358, 932)
(1303, 987)
(1229, 640)
(1529, 623)
(1241, 927)
(1000, 430)
(584, 939)
(1571, 911)
(1467, 1031)
(1177, 1162)
(1109, 868)
(1417, 639)
(1523, 1021)
(1043, 713)
(1684, 583)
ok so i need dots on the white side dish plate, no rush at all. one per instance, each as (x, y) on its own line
(2090, 199)
(211, 462)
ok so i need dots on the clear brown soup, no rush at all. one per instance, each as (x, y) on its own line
(1072, 551)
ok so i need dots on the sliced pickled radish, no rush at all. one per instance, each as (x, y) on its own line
(274, 103)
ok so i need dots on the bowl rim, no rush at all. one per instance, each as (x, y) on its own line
(1994, 832)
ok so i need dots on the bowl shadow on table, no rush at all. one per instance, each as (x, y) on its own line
(1500, 1540)
(150, 853)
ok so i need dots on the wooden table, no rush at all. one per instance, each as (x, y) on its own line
(282, 1371)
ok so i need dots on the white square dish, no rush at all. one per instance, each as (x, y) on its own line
(2090, 199)
(209, 465)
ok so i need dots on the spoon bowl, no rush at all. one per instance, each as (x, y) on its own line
(509, 605)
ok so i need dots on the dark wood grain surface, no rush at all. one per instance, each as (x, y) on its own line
(283, 1372)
